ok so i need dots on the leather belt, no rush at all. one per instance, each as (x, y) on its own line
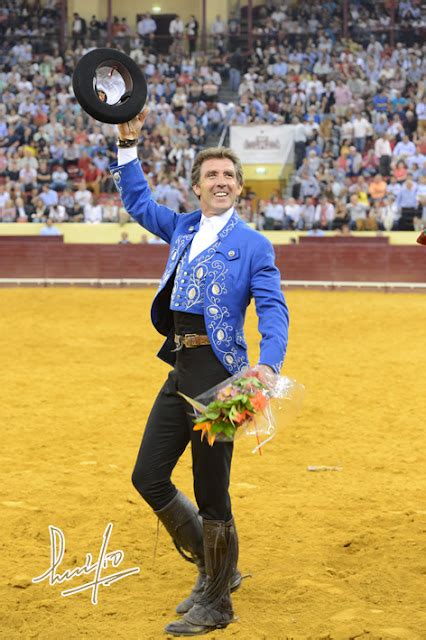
(190, 341)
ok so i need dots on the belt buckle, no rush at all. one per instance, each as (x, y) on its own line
(189, 338)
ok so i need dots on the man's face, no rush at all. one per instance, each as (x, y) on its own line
(218, 187)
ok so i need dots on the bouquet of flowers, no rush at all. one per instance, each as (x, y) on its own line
(244, 403)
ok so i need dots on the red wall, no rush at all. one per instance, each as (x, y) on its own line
(356, 262)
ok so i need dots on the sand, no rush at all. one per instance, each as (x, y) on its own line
(333, 554)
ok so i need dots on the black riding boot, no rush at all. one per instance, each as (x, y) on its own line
(214, 608)
(180, 518)
(200, 583)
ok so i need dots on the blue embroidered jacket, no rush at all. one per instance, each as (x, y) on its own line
(243, 266)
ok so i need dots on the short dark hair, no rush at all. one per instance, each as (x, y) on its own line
(213, 153)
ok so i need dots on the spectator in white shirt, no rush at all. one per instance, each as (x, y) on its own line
(48, 196)
(389, 213)
(361, 127)
(324, 213)
(176, 28)
(146, 28)
(293, 212)
(218, 27)
(308, 213)
(404, 148)
(383, 151)
(93, 213)
(274, 214)
(83, 196)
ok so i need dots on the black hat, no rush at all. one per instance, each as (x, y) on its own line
(109, 86)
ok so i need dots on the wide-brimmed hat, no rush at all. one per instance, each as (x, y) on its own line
(109, 85)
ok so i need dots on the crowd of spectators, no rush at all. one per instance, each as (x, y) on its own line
(358, 110)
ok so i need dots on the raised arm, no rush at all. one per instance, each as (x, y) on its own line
(133, 186)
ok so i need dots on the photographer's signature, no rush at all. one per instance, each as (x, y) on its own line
(113, 558)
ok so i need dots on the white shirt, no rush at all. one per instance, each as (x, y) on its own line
(208, 232)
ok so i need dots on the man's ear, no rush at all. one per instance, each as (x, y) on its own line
(239, 189)
(196, 189)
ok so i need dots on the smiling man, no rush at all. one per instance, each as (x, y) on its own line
(216, 265)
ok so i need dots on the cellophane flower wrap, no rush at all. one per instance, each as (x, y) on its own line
(247, 403)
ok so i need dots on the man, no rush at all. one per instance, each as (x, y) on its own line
(404, 148)
(49, 229)
(383, 151)
(146, 28)
(407, 204)
(274, 214)
(216, 264)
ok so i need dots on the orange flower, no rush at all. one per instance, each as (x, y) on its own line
(243, 416)
(258, 401)
(211, 437)
(204, 427)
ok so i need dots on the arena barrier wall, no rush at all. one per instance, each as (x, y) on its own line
(305, 262)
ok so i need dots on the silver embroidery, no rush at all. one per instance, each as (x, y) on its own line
(194, 290)
(171, 264)
(231, 224)
(221, 332)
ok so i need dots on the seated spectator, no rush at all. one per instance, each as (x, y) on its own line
(92, 176)
(357, 213)
(59, 178)
(41, 211)
(48, 196)
(27, 177)
(400, 172)
(83, 195)
(93, 213)
(407, 205)
(8, 211)
(377, 188)
(274, 214)
(404, 148)
(308, 213)
(324, 213)
(292, 215)
(370, 163)
(389, 213)
(57, 213)
(341, 215)
(75, 213)
(44, 174)
(375, 217)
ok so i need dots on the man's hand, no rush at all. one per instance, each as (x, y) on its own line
(132, 130)
(266, 373)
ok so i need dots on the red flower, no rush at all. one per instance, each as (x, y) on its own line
(258, 401)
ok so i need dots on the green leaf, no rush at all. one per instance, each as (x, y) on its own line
(212, 415)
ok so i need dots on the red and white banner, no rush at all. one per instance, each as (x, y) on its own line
(263, 144)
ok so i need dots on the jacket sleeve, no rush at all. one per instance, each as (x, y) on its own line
(271, 307)
(137, 199)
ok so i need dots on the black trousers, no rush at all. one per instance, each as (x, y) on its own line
(170, 429)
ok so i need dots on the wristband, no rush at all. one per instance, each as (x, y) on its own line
(127, 143)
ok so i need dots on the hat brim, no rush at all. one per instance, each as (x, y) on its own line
(84, 87)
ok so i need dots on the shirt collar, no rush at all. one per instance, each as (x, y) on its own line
(216, 223)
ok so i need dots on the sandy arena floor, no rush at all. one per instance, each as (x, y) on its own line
(333, 554)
